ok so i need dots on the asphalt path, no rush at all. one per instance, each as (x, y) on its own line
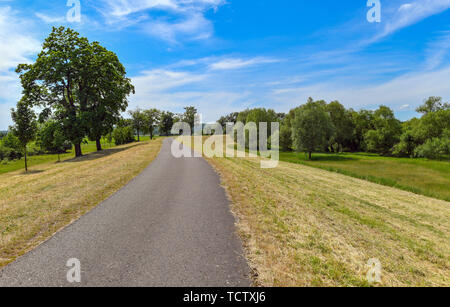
(170, 226)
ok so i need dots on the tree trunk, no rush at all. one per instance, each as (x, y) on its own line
(139, 139)
(310, 155)
(78, 152)
(99, 145)
(151, 134)
(26, 164)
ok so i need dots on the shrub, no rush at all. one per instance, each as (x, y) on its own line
(7, 153)
(433, 148)
(123, 135)
(50, 138)
(11, 141)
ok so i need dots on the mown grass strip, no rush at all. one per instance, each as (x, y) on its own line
(34, 206)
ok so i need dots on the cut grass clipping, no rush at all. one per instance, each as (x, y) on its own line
(303, 226)
(34, 206)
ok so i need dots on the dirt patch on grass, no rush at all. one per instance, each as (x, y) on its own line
(34, 206)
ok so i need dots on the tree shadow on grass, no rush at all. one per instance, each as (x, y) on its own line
(101, 154)
(31, 172)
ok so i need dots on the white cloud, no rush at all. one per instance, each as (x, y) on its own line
(16, 46)
(49, 19)
(181, 19)
(404, 92)
(410, 13)
(437, 51)
(173, 90)
(228, 64)
(405, 107)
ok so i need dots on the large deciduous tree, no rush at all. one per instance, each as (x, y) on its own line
(25, 126)
(341, 119)
(58, 79)
(82, 83)
(108, 92)
(166, 122)
(189, 116)
(386, 133)
(138, 121)
(311, 127)
(152, 118)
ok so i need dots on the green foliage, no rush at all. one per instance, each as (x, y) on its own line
(386, 132)
(285, 138)
(230, 118)
(433, 104)
(311, 127)
(8, 153)
(343, 124)
(123, 135)
(242, 117)
(81, 83)
(25, 125)
(434, 148)
(166, 122)
(138, 121)
(105, 105)
(11, 141)
(362, 123)
(406, 146)
(151, 120)
(50, 138)
(432, 125)
(189, 117)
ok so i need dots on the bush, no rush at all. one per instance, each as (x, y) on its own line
(123, 135)
(50, 138)
(11, 141)
(7, 153)
(433, 148)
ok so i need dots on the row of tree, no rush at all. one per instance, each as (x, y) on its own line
(154, 121)
(318, 126)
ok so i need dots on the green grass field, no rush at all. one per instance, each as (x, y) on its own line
(10, 166)
(420, 176)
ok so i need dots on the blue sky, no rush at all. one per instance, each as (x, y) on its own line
(223, 56)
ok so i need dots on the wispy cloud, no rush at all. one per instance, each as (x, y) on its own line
(438, 50)
(16, 46)
(172, 21)
(398, 16)
(172, 90)
(50, 19)
(236, 63)
(401, 93)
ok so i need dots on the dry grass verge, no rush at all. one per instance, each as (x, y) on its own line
(34, 206)
(304, 226)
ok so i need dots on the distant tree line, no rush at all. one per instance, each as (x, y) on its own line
(318, 126)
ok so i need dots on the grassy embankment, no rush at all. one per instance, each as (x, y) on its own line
(303, 226)
(34, 206)
(10, 166)
(420, 176)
